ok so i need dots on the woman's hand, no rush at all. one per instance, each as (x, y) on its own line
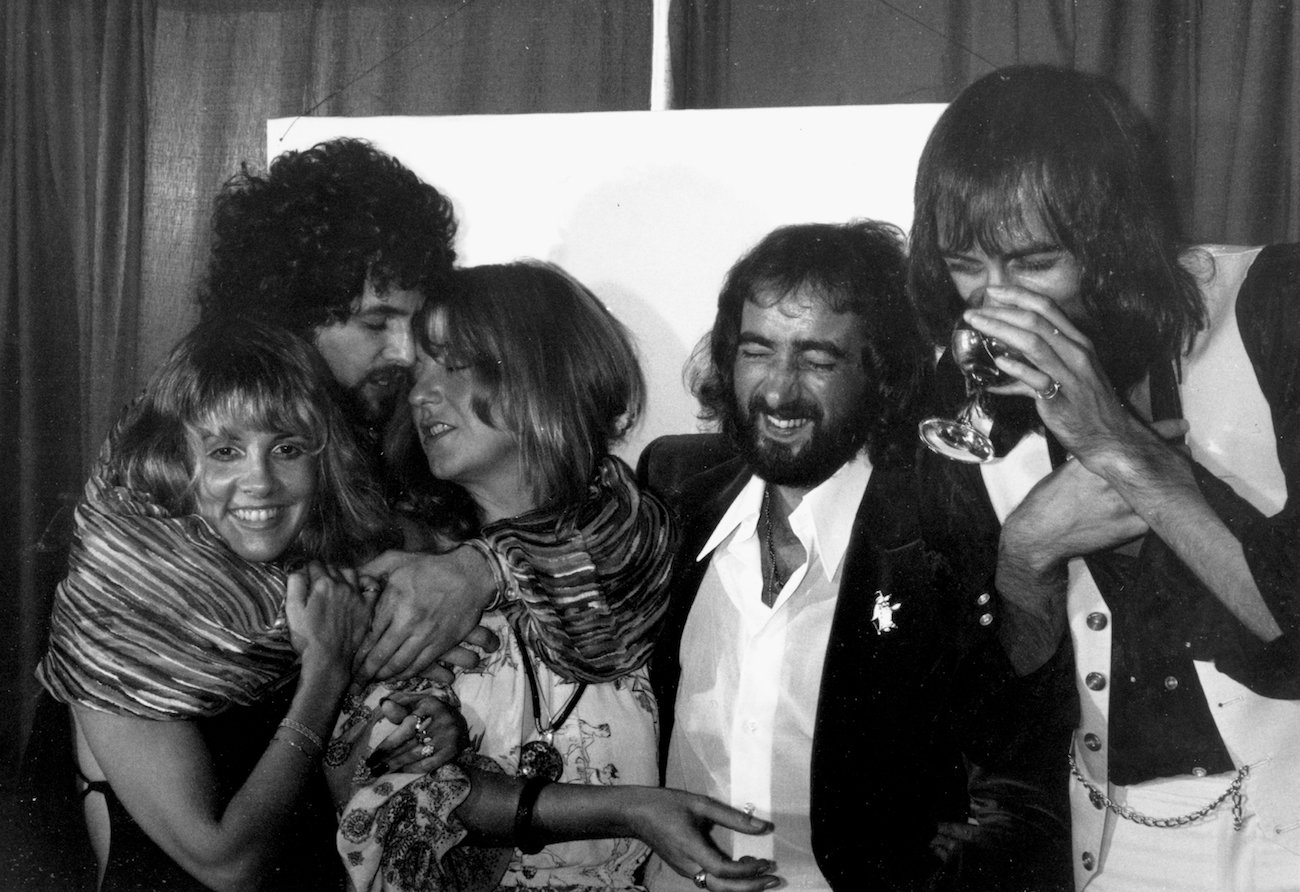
(676, 825)
(430, 733)
(425, 717)
(328, 609)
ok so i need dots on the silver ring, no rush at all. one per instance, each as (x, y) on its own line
(421, 723)
(701, 879)
(1050, 393)
(427, 750)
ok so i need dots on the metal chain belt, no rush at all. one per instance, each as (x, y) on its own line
(1101, 800)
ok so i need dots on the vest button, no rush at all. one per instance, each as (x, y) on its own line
(982, 599)
(986, 618)
(1092, 742)
(1088, 861)
(1097, 621)
(1171, 683)
(1095, 681)
(1199, 771)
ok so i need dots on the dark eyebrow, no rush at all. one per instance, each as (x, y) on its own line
(383, 311)
(828, 347)
(802, 346)
(749, 337)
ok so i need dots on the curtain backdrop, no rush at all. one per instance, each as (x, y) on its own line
(1220, 79)
(71, 166)
(122, 117)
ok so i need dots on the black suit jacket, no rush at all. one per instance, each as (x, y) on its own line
(900, 714)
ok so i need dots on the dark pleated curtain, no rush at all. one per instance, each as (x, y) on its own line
(121, 120)
(71, 170)
(1221, 80)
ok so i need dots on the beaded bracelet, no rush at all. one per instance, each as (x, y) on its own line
(305, 733)
(526, 840)
(302, 749)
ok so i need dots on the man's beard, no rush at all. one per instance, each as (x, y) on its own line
(813, 461)
(372, 402)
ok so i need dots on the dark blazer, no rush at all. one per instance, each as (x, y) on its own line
(900, 713)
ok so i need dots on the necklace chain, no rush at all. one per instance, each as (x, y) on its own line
(557, 720)
(1101, 800)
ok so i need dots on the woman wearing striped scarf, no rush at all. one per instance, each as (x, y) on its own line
(205, 633)
(523, 381)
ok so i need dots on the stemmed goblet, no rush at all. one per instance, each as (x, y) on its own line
(959, 439)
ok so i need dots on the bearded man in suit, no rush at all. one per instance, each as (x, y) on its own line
(820, 667)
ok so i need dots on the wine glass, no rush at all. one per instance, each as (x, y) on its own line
(959, 439)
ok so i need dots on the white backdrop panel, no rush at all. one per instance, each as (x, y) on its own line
(648, 209)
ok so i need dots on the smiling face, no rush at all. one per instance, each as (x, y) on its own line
(371, 352)
(800, 387)
(1028, 257)
(461, 447)
(255, 488)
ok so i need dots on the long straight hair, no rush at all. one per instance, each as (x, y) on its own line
(551, 365)
(1070, 150)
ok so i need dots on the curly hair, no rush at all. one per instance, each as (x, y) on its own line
(238, 372)
(855, 267)
(1070, 149)
(295, 247)
(549, 360)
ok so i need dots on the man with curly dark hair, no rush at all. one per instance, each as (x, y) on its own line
(341, 243)
(338, 243)
(819, 666)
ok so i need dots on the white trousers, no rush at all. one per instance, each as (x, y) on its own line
(1205, 856)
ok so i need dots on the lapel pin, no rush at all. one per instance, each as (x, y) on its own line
(882, 614)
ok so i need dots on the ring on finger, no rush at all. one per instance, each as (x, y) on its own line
(421, 723)
(701, 879)
(427, 748)
(1050, 393)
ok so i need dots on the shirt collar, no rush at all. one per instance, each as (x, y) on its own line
(827, 511)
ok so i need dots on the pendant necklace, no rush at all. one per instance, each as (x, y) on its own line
(540, 758)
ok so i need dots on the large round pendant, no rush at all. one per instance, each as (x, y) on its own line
(538, 758)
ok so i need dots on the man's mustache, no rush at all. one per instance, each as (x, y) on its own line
(387, 376)
(790, 410)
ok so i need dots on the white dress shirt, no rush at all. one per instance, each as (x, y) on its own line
(751, 675)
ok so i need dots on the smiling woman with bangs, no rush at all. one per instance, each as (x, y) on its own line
(205, 633)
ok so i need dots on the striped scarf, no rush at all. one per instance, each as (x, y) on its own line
(158, 618)
(592, 575)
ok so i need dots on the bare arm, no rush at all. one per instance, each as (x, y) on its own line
(1156, 481)
(164, 774)
(674, 823)
(1070, 512)
(1152, 477)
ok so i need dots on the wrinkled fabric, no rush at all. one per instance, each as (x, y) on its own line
(592, 575)
(157, 617)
